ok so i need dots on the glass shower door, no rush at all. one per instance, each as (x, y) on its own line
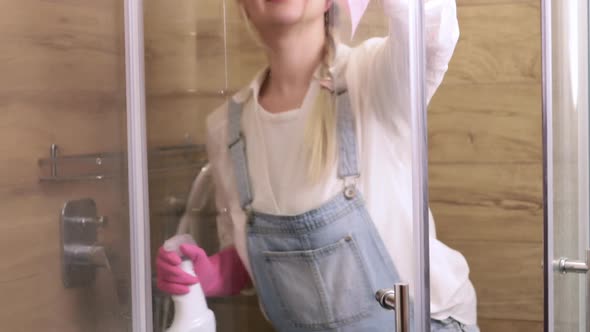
(190, 50)
(198, 54)
(565, 38)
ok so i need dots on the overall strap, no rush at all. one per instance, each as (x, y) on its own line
(347, 146)
(237, 151)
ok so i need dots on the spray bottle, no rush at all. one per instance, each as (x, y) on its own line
(191, 313)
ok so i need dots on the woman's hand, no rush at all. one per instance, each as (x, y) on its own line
(219, 275)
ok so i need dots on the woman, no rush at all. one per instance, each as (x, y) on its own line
(312, 169)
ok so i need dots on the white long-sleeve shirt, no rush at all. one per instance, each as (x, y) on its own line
(377, 78)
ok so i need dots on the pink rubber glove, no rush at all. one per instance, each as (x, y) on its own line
(222, 274)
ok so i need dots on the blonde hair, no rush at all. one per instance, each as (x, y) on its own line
(320, 132)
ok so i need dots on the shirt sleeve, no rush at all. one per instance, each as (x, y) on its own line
(225, 228)
(379, 68)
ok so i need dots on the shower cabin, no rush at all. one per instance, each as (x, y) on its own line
(103, 118)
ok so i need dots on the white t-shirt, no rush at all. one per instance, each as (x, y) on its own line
(376, 76)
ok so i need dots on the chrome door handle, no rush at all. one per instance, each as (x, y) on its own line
(397, 299)
(90, 255)
(566, 265)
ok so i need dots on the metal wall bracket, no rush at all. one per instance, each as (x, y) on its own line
(565, 265)
(111, 165)
(397, 299)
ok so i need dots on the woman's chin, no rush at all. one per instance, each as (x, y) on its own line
(284, 11)
(283, 19)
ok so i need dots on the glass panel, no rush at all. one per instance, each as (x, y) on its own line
(198, 53)
(64, 267)
(399, 88)
(569, 124)
(188, 60)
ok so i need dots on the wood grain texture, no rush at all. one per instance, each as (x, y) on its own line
(507, 277)
(499, 43)
(495, 325)
(491, 202)
(175, 119)
(42, 40)
(485, 159)
(36, 123)
(33, 276)
(485, 123)
(62, 82)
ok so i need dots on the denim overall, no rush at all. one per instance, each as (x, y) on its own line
(319, 270)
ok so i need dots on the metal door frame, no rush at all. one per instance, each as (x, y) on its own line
(417, 57)
(546, 29)
(139, 223)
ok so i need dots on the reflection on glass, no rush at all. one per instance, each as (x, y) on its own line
(303, 132)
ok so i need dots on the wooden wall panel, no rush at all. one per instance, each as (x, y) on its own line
(489, 202)
(62, 82)
(510, 325)
(493, 123)
(496, 42)
(509, 276)
(486, 159)
(42, 40)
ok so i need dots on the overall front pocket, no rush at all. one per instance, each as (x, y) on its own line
(320, 288)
